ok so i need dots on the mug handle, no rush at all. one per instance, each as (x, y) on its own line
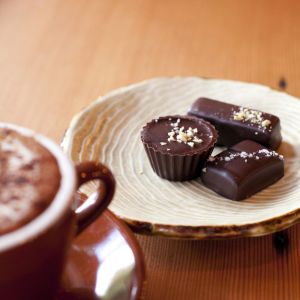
(96, 203)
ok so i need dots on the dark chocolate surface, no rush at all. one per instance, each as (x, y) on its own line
(243, 170)
(174, 160)
(156, 132)
(231, 131)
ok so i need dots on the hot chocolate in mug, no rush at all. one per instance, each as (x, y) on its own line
(39, 215)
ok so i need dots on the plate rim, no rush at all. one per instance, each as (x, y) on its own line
(202, 232)
(206, 232)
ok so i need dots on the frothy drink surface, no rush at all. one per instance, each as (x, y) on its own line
(29, 179)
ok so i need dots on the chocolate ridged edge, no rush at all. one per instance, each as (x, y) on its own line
(182, 166)
(177, 167)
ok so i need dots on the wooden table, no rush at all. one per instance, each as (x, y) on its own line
(57, 56)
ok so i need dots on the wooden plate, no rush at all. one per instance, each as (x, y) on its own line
(109, 130)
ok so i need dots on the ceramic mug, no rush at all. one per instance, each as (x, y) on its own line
(32, 257)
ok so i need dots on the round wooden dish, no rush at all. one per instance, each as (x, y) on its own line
(109, 130)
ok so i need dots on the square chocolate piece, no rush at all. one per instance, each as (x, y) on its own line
(243, 170)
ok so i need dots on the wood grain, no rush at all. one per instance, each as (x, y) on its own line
(186, 209)
(58, 56)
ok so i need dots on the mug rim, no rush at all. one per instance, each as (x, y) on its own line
(62, 201)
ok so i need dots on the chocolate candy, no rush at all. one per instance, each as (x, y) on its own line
(235, 123)
(242, 170)
(178, 146)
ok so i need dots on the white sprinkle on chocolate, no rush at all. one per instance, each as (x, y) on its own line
(247, 155)
(175, 124)
(252, 116)
(197, 140)
(244, 154)
(181, 135)
(265, 123)
(163, 143)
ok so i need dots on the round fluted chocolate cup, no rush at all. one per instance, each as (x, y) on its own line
(177, 161)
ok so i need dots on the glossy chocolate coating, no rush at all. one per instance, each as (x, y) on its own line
(243, 170)
(173, 160)
(156, 132)
(232, 131)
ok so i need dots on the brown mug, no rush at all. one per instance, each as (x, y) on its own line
(32, 257)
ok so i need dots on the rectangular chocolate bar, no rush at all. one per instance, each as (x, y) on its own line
(242, 170)
(236, 123)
